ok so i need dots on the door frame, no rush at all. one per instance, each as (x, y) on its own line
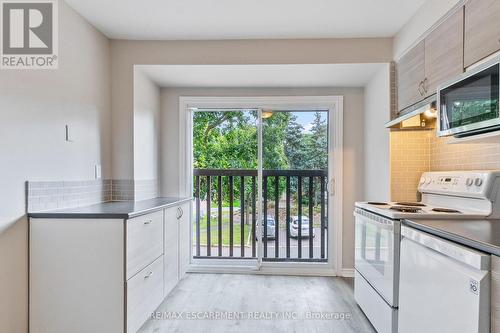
(334, 105)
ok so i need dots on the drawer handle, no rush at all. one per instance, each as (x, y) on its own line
(148, 275)
(148, 222)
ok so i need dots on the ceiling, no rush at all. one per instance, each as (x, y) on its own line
(261, 76)
(244, 19)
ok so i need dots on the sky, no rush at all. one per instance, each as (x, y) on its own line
(306, 119)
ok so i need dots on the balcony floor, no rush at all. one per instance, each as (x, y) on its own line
(282, 295)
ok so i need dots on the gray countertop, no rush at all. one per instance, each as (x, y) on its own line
(482, 235)
(112, 209)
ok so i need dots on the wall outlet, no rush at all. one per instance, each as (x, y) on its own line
(97, 171)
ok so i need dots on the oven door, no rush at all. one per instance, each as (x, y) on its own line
(377, 253)
(469, 104)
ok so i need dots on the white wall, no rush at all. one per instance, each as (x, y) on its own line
(35, 105)
(376, 142)
(146, 127)
(423, 20)
(353, 143)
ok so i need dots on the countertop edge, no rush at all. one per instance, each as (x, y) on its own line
(154, 209)
(477, 245)
(123, 216)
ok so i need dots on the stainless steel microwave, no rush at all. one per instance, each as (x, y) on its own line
(469, 104)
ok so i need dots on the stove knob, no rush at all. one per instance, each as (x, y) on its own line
(428, 181)
(422, 181)
(478, 182)
(469, 182)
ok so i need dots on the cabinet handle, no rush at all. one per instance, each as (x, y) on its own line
(148, 275)
(424, 84)
(179, 212)
(148, 222)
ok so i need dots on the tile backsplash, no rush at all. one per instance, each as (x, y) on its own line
(47, 195)
(415, 152)
(410, 157)
(463, 156)
(122, 189)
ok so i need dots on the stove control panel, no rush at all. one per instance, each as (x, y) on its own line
(476, 184)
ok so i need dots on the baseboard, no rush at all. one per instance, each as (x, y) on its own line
(347, 272)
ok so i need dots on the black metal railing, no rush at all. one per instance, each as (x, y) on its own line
(297, 190)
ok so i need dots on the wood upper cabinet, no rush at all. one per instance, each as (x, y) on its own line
(444, 52)
(410, 73)
(434, 60)
(482, 29)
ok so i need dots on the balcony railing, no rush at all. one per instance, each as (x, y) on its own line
(225, 222)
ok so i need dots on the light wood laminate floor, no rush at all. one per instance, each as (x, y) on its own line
(199, 296)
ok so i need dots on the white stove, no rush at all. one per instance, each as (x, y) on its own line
(419, 210)
(445, 195)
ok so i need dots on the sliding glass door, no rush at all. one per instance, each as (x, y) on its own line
(295, 174)
(260, 185)
(225, 171)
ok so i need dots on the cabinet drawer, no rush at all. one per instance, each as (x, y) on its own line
(144, 294)
(144, 241)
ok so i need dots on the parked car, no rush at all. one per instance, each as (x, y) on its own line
(294, 226)
(271, 228)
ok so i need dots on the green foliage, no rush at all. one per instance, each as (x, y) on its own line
(225, 140)
(318, 145)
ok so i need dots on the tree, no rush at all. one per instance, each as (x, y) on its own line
(317, 149)
(318, 145)
(294, 143)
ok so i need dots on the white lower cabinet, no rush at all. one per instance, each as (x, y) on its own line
(105, 275)
(171, 249)
(144, 294)
(76, 275)
(144, 241)
(177, 245)
(184, 238)
(495, 294)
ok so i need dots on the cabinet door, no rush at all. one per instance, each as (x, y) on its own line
(482, 29)
(184, 238)
(171, 252)
(444, 52)
(144, 241)
(409, 75)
